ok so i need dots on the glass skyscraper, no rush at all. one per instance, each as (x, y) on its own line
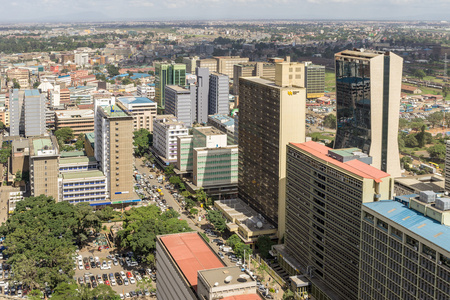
(168, 74)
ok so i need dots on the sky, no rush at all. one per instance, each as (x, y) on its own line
(155, 10)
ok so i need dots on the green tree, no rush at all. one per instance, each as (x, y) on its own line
(2, 126)
(411, 141)
(330, 121)
(437, 151)
(288, 295)
(175, 180)
(142, 140)
(16, 84)
(204, 236)
(435, 118)
(169, 170)
(240, 248)
(126, 81)
(104, 292)
(112, 70)
(151, 73)
(193, 211)
(420, 137)
(216, 218)
(5, 152)
(64, 135)
(419, 73)
(150, 259)
(36, 84)
(79, 144)
(233, 240)
(179, 60)
(264, 244)
(18, 176)
(403, 124)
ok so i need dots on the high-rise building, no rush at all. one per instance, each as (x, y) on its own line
(166, 129)
(34, 104)
(114, 150)
(209, 63)
(271, 114)
(168, 74)
(447, 166)
(15, 113)
(225, 64)
(368, 85)
(141, 108)
(218, 94)
(315, 80)
(325, 190)
(202, 95)
(44, 166)
(405, 248)
(261, 69)
(179, 103)
(191, 63)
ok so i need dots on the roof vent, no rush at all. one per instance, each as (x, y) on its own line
(427, 196)
(216, 284)
(443, 203)
(228, 279)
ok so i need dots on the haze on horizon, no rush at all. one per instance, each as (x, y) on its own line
(19, 11)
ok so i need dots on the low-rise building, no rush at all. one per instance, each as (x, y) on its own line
(224, 123)
(83, 186)
(80, 120)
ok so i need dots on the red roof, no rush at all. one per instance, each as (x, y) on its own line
(355, 166)
(191, 254)
(243, 297)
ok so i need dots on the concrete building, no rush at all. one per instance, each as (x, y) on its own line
(141, 108)
(22, 76)
(225, 64)
(80, 120)
(447, 166)
(146, 91)
(368, 87)
(166, 129)
(44, 167)
(114, 151)
(325, 190)
(405, 249)
(209, 63)
(34, 106)
(20, 154)
(202, 95)
(218, 94)
(188, 269)
(226, 124)
(82, 59)
(179, 103)
(315, 80)
(249, 69)
(83, 186)
(191, 63)
(15, 108)
(167, 74)
(271, 114)
(69, 163)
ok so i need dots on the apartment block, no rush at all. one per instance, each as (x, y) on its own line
(22, 76)
(114, 151)
(44, 166)
(218, 94)
(141, 108)
(191, 63)
(405, 248)
(202, 95)
(368, 85)
(34, 106)
(15, 107)
(325, 191)
(166, 129)
(146, 91)
(185, 153)
(271, 114)
(80, 120)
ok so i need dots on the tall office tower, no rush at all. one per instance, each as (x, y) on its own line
(179, 103)
(271, 114)
(168, 74)
(15, 111)
(225, 64)
(447, 166)
(325, 190)
(34, 104)
(262, 69)
(315, 80)
(202, 94)
(114, 150)
(218, 94)
(368, 87)
(44, 166)
(405, 248)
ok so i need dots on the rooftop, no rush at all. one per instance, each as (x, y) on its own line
(360, 54)
(413, 221)
(135, 100)
(32, 93)
(76, 160)
(72, 153)
(75, 113)
(354, 166)
(114, 111)
(43, 143)
(213, 276)
(271, 83)
(90, 136)
(208, 131)
(223, 119)
(82, 174)
(178, 89)
(191, 254)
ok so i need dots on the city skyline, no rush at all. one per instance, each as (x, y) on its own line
(148, 10)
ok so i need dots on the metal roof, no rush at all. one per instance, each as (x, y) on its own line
(191, 254)
(414, 221)
(30, 93)
(82, 174)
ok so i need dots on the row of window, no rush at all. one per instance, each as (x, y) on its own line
(84, 183)
(84, 195)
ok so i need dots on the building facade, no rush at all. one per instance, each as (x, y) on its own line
(249, 69)
(368, 87)
(315, 81)
(167, 74)
(79, 120)
(325, 190)
(34, 105)
(202, 95)
(83, 186)
(218, 94)
(166, 129)
(142, 109)
(225, 64)
(271, 114)
(179, 103)
(15, 113)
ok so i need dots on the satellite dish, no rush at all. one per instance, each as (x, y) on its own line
(228, 279)
(216, 284)
(259, 224)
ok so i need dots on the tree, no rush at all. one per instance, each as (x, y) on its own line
(435, 118)
(419, 73)
(420, 137)
(193, 211)
(240, 248)
(64, 135)
(288, 295)
(330, 121)
(79, 144)
(179, 60)
(411, 141)
(264, 244)
(36, 84)
(126, 81)
(16, 84)
(219, 222)
(5, 152)
(403, 123)
(112, 70)
(233, 240)
(151, 73)
(169, 170)
(18, 176)
(437, 151)
(142, 140)
(175, 180)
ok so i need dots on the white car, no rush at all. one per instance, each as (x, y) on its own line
(113, 281)
(126, 282)
(121, 296)
(81, 267)
(127, 295)
(132, 280)
(122, 274)
(100, 281)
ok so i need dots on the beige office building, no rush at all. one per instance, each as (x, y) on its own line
(261, 69)
(225, 64)
(209, 63)
(368, 85)
(271, 114)
(141, 108)
(114, 151)
(44, 166)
